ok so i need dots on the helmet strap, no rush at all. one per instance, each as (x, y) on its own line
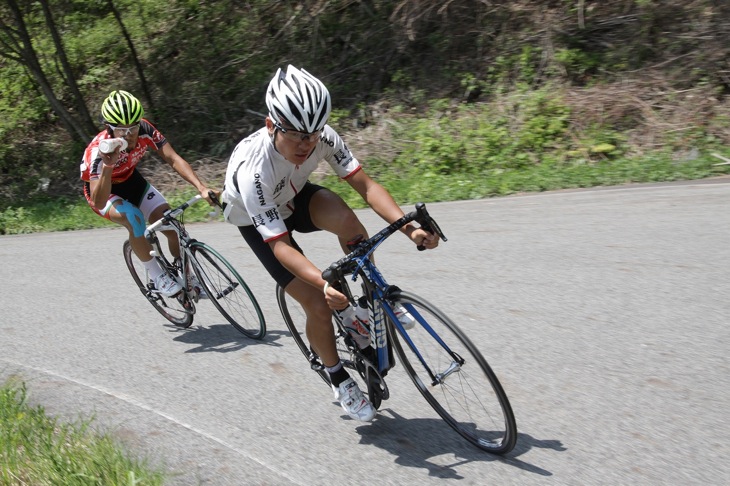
(272, 133)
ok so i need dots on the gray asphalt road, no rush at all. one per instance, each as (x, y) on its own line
(604, 313)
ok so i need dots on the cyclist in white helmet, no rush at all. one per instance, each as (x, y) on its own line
(116, 190)
(269, 197)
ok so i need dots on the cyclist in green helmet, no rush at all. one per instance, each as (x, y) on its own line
(116, 190)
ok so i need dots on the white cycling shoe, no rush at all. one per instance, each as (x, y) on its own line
(353, 401)
(198, 287)
(166, 285)
(406, 320)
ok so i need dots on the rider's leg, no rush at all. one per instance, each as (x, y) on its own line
(131, 217)
(128, 215)
(153, 204)
(321, 336)
(319, 329)
(330, 213)
(172, 240)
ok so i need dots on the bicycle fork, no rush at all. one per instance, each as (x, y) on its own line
(384, 293)
(437, 378)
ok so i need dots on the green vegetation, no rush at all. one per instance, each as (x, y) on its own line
(411, 186)
(410, 182)
(64, 214)
(439, 100)
(38, 449)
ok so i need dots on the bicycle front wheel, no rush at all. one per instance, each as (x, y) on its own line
(453, 376)
(228, 291)
(178, 309)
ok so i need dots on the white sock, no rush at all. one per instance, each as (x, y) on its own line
(153, 268)
(335, 368)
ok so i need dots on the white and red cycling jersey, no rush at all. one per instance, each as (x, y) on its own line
(261, 183)
(149, 137)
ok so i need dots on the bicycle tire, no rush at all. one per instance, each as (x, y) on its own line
(471, 399)
(227, 290)
(296, 321)
(360, 370)
(172, 308)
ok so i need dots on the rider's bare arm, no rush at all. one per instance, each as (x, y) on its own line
(385, 206)
(182, 167)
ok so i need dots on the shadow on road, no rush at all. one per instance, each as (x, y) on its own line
(220, 338)
(415, 441)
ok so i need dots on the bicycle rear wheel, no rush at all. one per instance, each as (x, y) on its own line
(178, 309)
(360, 367)
(228, 291)
(296, 321)
(461, 387)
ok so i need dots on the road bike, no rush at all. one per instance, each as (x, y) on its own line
(446, 367)
(221, 283)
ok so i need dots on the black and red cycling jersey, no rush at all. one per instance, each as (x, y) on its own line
(91, 165)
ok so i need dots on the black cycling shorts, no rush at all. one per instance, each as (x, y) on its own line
(136, 190)
(300, 221)
(133, 189)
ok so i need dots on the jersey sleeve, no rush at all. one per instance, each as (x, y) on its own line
(250, 190)
(258, 199)
(89, 168)
(151, 136)
(338, 155)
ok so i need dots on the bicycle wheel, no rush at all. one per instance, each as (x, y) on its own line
(178, 310)
(296, 320)
(228, 291)
(359, 365)
(461, 387)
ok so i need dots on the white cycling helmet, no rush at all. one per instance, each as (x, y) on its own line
(300, 99)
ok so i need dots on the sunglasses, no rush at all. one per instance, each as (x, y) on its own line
(123, 131)
(296, 136)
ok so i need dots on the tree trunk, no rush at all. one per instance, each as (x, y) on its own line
(23, 48)
(135, 58)
(79, 102)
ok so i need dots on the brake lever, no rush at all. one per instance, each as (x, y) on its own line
(428, 224)
(336, 278)
(214, 199)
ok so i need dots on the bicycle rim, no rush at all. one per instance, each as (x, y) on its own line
(296, 322)
(469, 396)
(178, 310)
(228, 291)
(359, 367)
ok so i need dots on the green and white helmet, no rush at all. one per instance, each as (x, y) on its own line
(297, 97)
(121, 108)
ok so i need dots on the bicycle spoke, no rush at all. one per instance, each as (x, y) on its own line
(227, 291)
(460, 386)
(179, 311)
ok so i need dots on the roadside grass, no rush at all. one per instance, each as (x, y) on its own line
(407, 184)
(411, 185)
(38, 449)
(43, 214)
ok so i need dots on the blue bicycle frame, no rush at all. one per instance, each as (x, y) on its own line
(378, 332)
